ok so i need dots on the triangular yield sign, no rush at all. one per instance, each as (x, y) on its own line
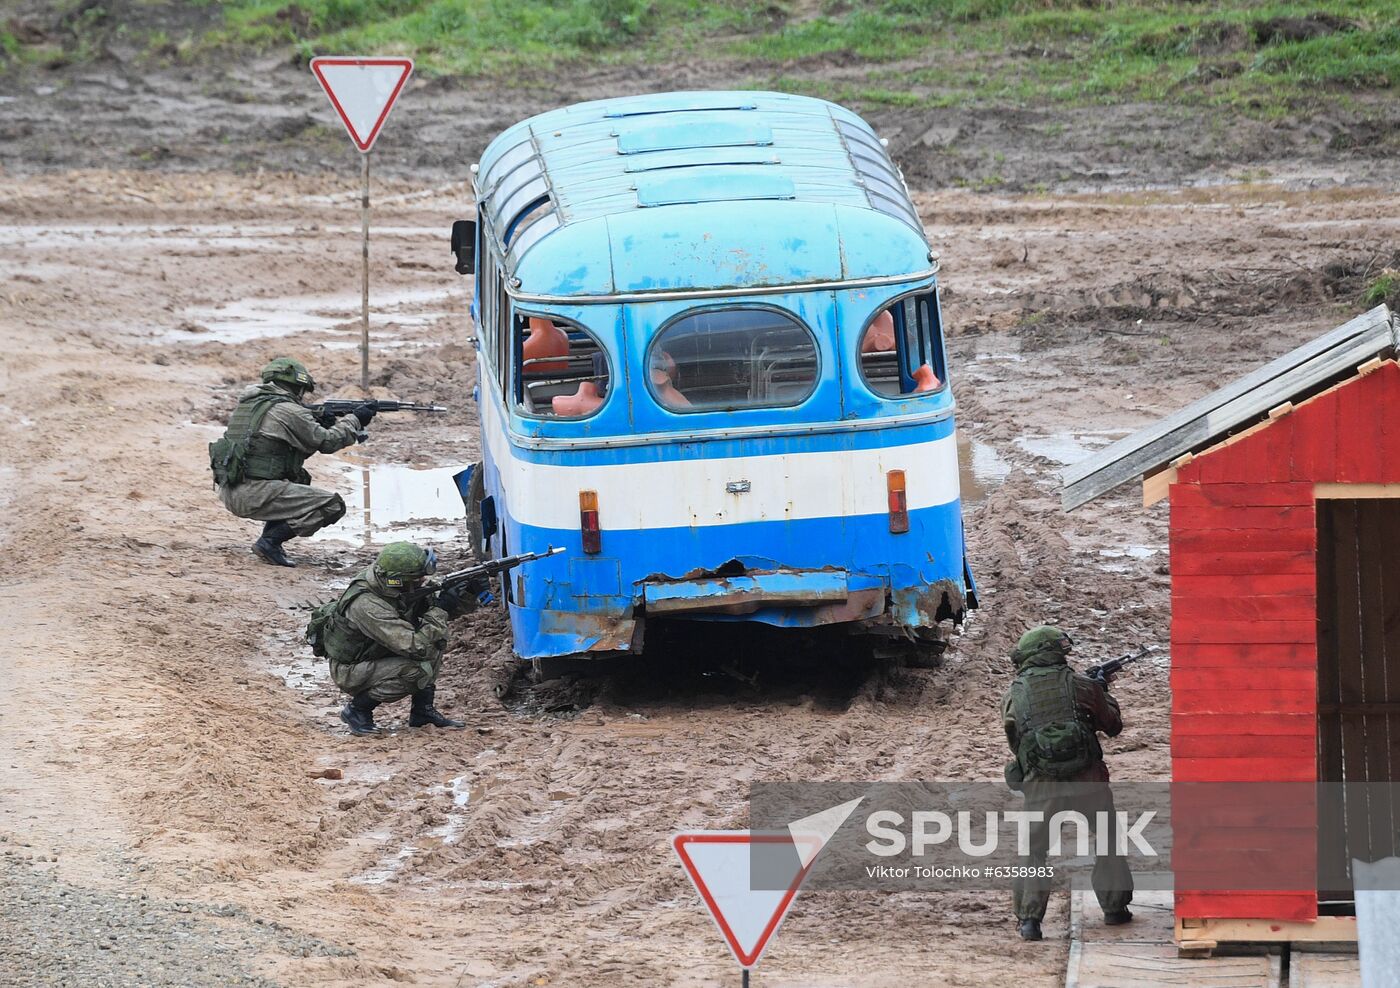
(362, 90)
(719, 862)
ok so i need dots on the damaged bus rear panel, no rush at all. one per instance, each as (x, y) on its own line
(711, 365)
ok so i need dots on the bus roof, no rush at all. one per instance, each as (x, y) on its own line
(696, 191)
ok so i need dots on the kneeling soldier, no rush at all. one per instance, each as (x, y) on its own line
(258, 464)
(385, 642)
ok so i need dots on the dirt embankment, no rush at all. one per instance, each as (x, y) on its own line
(162, 725)
(130, 108)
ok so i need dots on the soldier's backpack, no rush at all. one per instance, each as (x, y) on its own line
(321, 618)
(332, 636)
(1055, 741)
(228, 455)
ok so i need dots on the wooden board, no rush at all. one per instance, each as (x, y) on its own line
(1143, 954)
(1358, 685)
(1311, 968)
(1202, 422)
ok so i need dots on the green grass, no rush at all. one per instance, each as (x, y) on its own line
(1248, 54)
(1384, 290)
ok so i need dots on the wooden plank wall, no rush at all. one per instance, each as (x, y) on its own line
(1245, 617)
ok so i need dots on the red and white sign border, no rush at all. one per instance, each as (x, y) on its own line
(405, 63)
(747, 959)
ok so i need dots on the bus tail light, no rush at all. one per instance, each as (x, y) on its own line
(899, 502)
(588, 522)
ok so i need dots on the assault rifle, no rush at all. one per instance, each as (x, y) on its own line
(334, 407)
(1104, 672)
(488, 569)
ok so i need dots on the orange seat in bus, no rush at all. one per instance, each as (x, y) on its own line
(926, 380)
(879, 338)
(545, 340)
(581, 402)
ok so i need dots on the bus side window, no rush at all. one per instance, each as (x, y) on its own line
(901, 350)
(563, 371)
(505, 338)
(486, 305)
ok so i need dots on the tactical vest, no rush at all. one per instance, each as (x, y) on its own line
(340, 641)
(243, 454)
(1055, 742)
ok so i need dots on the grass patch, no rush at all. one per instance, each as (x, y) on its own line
(1266, 57)
(1385, 290)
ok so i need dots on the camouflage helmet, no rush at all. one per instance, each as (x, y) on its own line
(403, 562)
(1041, 639)
(292, 373)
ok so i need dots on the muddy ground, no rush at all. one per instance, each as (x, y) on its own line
(160, 719)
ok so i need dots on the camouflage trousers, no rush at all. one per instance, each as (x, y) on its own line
(306, 509)
(388, 679)
(1111, 877)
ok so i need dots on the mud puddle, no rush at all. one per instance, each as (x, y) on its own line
(1066, 448)
(981, 469)
(270, 318)
(1121, 560)
(388, 502)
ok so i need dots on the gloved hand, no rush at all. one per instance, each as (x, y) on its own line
(450, 599)
(481, 587)
(365, 413)
(326, 419)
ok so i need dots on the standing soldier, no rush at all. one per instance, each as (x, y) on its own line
(1052, 715)
(385, 642)
(258, 464)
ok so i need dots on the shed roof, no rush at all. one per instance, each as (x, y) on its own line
(568, 193)
(1200, 425)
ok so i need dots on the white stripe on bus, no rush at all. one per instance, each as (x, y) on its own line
(685, 493)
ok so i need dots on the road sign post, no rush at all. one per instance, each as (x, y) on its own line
(362, 91)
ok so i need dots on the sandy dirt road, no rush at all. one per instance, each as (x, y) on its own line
(159, 717)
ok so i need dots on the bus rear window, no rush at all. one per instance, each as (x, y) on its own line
(563, 372)
(732, 358)
(901, 350)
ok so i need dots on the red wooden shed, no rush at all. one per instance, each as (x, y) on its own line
(1285, 629)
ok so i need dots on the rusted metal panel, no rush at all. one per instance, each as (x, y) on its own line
(744, 593)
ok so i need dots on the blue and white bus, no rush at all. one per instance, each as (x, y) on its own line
(711, 365)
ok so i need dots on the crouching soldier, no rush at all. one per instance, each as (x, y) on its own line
(258, 464)
(385, 638)
(1052, 715)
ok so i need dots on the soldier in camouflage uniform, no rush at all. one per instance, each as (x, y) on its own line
(1052, 715)
(383, 647)
(258, 464)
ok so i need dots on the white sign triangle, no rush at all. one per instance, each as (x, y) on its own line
(362, 91)
(720, 862)
(820, 828)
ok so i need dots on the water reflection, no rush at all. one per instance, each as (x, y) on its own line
(387, 502)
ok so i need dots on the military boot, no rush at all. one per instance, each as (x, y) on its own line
(423, 713)
(358, 715)
(269, 547)
(1030, 929)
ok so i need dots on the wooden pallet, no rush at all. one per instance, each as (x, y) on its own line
(1200, 937)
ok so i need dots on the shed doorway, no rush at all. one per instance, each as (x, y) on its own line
(1358, 687)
